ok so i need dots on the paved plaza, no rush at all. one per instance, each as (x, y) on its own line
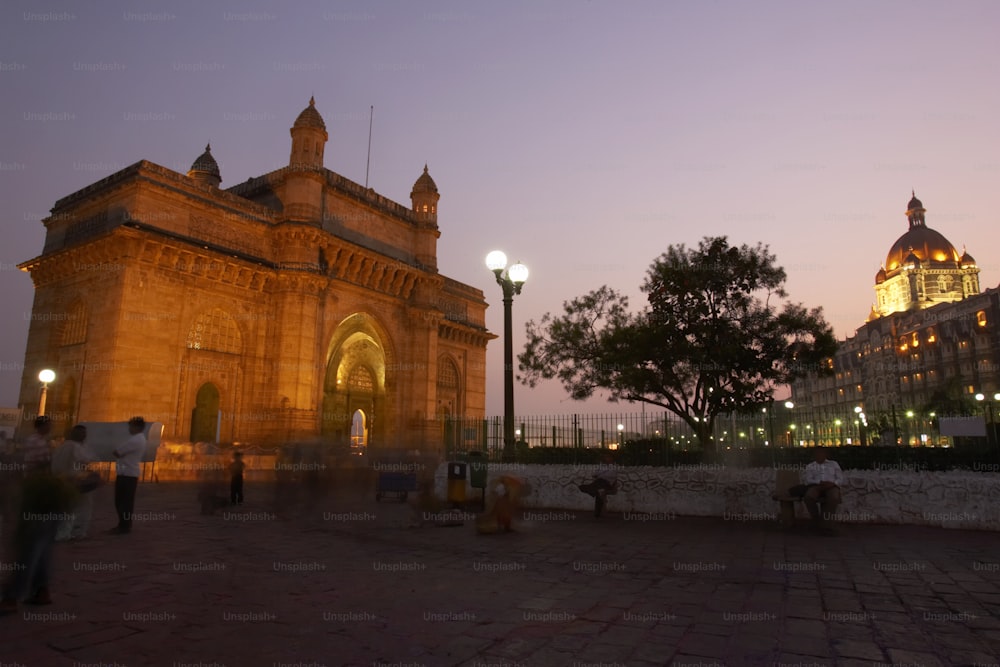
(354, 582)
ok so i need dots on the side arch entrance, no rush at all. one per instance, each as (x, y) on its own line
(205, 415)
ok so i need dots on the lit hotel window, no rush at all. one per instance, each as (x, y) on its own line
(981, 318)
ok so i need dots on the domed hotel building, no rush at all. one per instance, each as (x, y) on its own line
(293, 305)
(930, 344)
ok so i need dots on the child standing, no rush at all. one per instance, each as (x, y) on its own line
(236, 481)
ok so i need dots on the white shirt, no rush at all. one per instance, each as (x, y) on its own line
(828, 471)
(129, 464)
(71, 458)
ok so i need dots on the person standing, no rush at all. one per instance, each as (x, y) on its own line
(236, 479)
(70, 463)
(127, 467)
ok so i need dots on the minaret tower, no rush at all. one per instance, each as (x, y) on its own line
(308, 138)
(303, 196)
(425, 202)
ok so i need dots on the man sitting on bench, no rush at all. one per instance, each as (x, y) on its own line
(823, 479)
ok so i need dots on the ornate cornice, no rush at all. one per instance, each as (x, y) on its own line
(126, 246)
(370, 270)
(464, 334)
(150, 172)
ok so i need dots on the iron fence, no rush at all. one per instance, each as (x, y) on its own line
(773, 425)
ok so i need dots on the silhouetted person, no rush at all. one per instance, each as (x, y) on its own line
(236, 469)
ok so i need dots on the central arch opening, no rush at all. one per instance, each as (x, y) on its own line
(354, 393)
(359, 430)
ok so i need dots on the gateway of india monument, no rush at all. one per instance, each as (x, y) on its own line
(294, 305)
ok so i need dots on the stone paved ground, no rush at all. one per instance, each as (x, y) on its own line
(352, 583)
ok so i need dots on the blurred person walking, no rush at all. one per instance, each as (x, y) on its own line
(70, 463)
(45, 501)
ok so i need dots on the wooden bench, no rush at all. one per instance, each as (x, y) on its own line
(784, 480)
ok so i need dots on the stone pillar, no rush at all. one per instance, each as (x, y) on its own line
(297, 373)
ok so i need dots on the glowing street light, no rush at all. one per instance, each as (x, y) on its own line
(511, 281)
(46, 376)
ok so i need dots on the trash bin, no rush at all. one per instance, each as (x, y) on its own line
(456, 481)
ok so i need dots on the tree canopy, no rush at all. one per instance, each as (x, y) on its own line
(717, 335)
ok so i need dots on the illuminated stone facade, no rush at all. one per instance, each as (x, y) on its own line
(923, 346)
(293, 305)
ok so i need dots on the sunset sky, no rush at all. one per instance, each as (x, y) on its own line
(582, 138)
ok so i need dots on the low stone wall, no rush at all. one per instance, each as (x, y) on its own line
(955, 499)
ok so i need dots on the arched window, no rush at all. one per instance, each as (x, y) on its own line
(361, 380)
(215, 330)
(447, 375)
(75, 329)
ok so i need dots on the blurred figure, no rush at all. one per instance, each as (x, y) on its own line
(605, 481)
(46, 500)
(504, 502)
(212, 488)
(37, 450)
(236, 469)
(70, 463)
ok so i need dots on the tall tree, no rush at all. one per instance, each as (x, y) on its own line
(717, 336)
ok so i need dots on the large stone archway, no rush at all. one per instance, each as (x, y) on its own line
(355, 381)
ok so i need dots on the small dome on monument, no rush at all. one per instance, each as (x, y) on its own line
(310, 117)
(425, 183)
(206, 169)
(205, 162)
(914, 202)
(967, 259)
(880, 276)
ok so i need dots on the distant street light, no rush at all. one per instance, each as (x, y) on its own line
(511, 281)
(46, 376)
(862, 423)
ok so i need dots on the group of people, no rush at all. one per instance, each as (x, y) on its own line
(53, 502)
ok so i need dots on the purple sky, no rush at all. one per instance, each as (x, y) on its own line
(580, 137)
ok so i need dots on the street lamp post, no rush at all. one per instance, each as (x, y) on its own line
(46, 376)
(862, 423)
(511, 281)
